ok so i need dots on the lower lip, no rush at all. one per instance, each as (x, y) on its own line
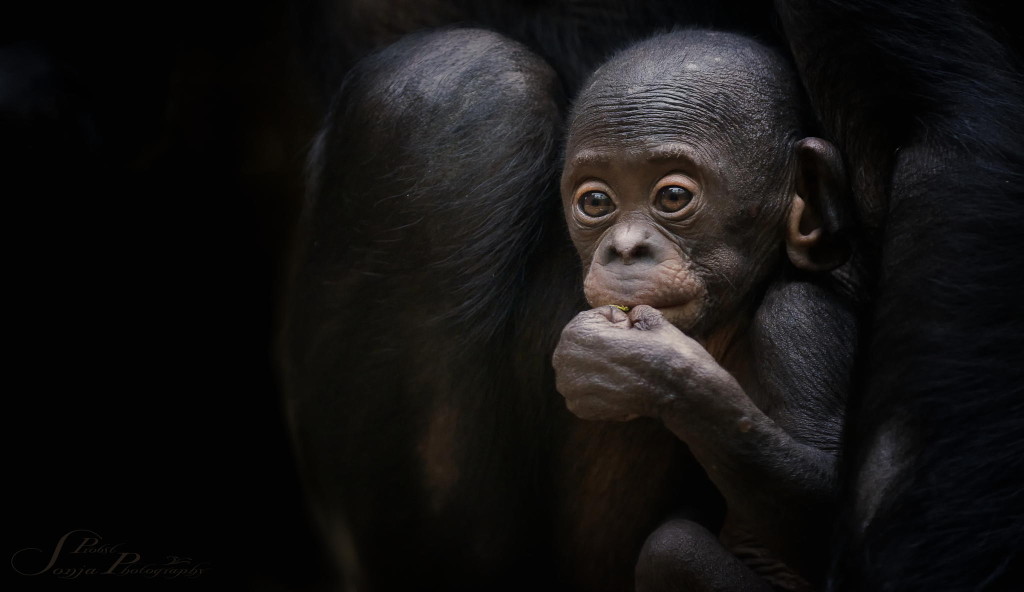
(674, 308)
(659, 307)
(682, 316)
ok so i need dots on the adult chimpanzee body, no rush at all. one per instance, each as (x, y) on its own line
(438, 277)
(926, 106)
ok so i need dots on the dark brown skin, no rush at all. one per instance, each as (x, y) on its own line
(678, 213)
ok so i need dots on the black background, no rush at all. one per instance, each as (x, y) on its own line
(151, 164)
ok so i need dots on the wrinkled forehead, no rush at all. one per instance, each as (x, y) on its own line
(633, 118)
(708, 114)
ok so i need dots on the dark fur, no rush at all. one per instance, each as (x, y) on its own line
(392, 287)
(922, 96)
(925, 104)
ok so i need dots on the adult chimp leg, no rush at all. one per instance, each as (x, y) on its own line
(421, 316)
(926, 105)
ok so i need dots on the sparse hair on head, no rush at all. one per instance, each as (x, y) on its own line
(738, 85)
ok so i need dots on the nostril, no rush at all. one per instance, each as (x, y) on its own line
(629, 254)
(628, 243)
(641, 251)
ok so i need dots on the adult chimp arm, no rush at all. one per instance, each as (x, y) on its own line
(926, 105)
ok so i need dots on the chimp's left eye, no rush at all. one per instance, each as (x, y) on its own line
(672, 198)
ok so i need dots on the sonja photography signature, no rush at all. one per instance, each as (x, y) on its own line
(84, 553)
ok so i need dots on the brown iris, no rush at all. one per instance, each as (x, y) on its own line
(595, 204)
(672, 198)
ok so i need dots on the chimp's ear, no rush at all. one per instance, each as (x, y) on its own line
(814, 240)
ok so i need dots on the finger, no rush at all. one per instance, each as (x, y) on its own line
(646, 318)
(601, 316)
(615, 315)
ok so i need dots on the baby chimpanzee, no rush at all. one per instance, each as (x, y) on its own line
(698, 205)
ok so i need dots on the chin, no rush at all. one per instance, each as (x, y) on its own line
(685, 317)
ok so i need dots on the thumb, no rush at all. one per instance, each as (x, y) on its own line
(647, 318)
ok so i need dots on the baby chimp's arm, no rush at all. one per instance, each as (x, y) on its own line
(778, 488)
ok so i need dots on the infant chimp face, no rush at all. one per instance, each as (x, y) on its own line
(665, 212)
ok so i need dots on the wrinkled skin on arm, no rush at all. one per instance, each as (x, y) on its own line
(614, 366)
